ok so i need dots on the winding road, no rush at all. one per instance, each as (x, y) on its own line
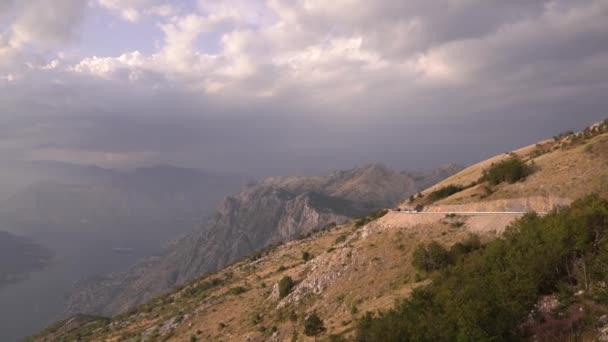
(467, 212)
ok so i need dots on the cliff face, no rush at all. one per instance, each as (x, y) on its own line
(275, 210)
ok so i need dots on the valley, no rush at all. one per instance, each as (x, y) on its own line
(352, 270)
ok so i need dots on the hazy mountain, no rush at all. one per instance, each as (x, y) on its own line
(16, 175)
(274, 210)
(428, 178)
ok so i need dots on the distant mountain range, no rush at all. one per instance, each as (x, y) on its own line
(274, 210)
(160, 201)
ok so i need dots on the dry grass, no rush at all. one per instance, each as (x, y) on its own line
(367, 272)
(562, 173)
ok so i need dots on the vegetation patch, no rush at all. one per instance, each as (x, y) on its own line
(285, 286)
(510, 170)
(360, 222)
(203, 286)
(306, 256)
(487, 294)
(313, 325)
(235, 291)
(444, 192)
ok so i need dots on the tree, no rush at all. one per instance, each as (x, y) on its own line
(431, 257)
(510, 170)
(444, 192)
(313, 325)
(285, 286)
(306, 256)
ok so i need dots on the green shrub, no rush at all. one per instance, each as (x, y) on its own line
(488, 293)
(235, 291)
(203, 286)
(470, 244)
(313, 325)
(256, 318)
(341, 238)
(430, 257)
(371, 217)
(306, 256)
(285, 286)
(457, 224)
(336, 338)
(444, 192)
(509, 170)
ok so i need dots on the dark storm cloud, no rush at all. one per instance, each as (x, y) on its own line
(412, 84)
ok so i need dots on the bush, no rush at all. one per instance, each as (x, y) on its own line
(488, 293)
(336, 338)
(371, 217)
(285, 286)
(256, 318)
(313, 325)
(510, 170)
(444, 192)
(235, 291)
(306, 256)
(562, 135)
(470, 244)
(430, 257)
(341, 238)
(203, 286)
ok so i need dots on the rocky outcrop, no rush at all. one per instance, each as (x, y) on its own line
(274, 210)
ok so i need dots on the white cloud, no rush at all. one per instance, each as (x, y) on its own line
(107, 67)
(37, 26)
(396, 61)
(133, 10)
(46, 24)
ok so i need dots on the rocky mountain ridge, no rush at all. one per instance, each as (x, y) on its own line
(275, 210)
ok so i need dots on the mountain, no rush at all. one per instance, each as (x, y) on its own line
(274, 210)
(19, 256)
(345, 274)
(426, 179)
(16, 175)
(154, 194)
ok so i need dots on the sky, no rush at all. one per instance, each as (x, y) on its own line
(295, 86)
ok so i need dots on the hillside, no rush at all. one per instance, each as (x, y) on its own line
(364, 265)
(275, 210)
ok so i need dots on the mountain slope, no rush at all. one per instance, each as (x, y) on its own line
(275, 210)
(360, 266)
